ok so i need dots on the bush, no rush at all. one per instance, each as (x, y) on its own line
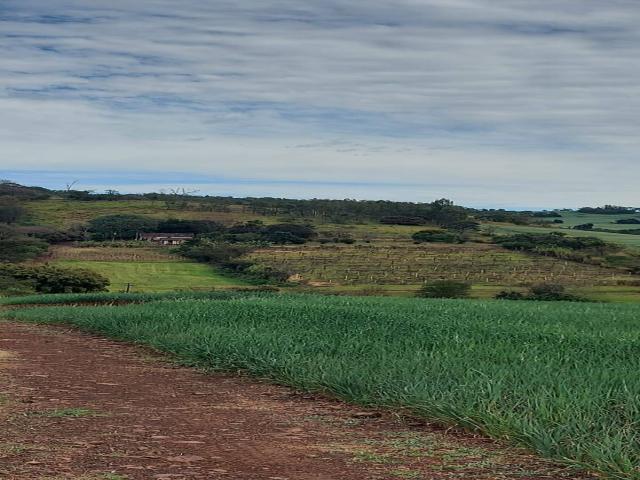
(584, 226)
(399, 220)
(548, 291)
(10, 210)
(628, 221)
(52, 235)
(427, 236)
(49, 279)
(211, 251)
(510, 295)
(283, 238)
(542, 292)
(10, 287)
(16, 248)
(539, 242)
(445, 289)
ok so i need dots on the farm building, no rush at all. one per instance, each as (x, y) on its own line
(167, 238)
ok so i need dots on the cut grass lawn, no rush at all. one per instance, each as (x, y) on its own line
(157, 276)
(560, 378)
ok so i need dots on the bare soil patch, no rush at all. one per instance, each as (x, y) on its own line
(82, 407)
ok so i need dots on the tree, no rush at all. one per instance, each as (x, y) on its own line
(197, 227)
(120, 227)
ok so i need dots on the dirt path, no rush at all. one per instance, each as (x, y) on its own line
(75, 406)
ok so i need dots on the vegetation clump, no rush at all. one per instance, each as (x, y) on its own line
(430, 236)
(16, 247)
(120, 227)
(445, 289)
(608, 210)
(50, 279)
(549, 292)
(628, 221)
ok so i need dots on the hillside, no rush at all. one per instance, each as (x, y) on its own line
(356, 247)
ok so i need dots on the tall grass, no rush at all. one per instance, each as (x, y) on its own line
(560, 378)
(119, 298)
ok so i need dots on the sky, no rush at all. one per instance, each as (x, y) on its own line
(492, 103)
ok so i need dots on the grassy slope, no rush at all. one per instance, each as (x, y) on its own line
(65, 213)
(632, 241)
(560, 378)
(157, 276)
(571, 219)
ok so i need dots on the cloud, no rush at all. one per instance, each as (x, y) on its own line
(541, 96)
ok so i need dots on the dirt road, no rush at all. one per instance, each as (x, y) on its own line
(76, 406)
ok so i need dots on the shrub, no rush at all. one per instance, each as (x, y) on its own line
(427, 236)
(584, 226)
(283, 238)
(19, 248)
(212, 251)
(52, 235)
(399, 220)
(9, 286)
(10, 210)
(49, 279)
(510, 295)
(548, 291)
(445, 289)
(541, 292)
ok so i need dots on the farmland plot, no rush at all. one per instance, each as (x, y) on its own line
(409, 264)
(559, 378)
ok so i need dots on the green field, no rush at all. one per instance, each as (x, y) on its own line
(571, 219)
(157, 276)
(66, 213)
(559, 378)
(630, 241)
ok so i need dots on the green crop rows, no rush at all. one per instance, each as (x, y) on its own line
(560, 378)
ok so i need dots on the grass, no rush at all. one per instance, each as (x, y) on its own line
(70, 413)
(156, 276)
(629, 241)
(66, 213)
(571, 219)
(119, 298)
(559, 378)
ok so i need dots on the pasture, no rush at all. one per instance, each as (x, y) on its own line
(63, 213)
(629, 241)
(558, 378)
(571, 219)
(147, 269)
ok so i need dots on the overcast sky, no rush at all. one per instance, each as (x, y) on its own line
(497, 103)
